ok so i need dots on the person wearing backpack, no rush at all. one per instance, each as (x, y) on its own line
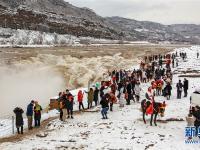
(69, 104)
(37, 114)
(64, 106)
(29, 114)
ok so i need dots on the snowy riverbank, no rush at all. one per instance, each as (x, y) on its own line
(124, 129)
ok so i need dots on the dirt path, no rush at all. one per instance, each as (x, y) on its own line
(35, 131)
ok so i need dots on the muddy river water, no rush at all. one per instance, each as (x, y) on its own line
(39, 73)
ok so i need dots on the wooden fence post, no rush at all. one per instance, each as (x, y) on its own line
(13, 126)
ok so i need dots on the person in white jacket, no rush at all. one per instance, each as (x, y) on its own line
(137, 90)
(144, 77)
(121, 98)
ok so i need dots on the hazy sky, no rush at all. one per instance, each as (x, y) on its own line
(163, 11)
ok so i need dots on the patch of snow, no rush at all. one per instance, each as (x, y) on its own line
(141, 30)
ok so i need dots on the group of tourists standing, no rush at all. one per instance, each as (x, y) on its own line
(156, 69)
(33, 112)
(182, 87)
(66, 102)
(123, 86)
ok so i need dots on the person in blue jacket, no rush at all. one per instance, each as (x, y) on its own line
(29, 114)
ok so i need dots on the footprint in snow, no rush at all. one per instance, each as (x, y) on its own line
(160, 135)
(146, 133)
(148, 146)
(161, 139)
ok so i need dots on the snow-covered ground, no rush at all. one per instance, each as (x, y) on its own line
(124, 129)
(6, 121)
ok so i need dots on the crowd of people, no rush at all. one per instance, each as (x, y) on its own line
(125, 86)
(120, 86)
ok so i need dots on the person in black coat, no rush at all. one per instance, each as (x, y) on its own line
(162, 71)
(168, 90)
(121, 75)
(173, 63)
(69, 104)
(96, 96)
(179, 87)
(148, 74)
(185, 87)
(129, 91)
(119, 87)
(133, 83)
(160, 62)
(105, 107)
(102, 91)
(19, 119)
(117, 77)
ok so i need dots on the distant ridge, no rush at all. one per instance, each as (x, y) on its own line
(58, 16)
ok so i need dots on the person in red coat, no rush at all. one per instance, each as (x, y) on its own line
(114, 79)
(112, 100)
(168, 63)
(80, 99)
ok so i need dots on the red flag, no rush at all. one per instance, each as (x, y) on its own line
(149, 110)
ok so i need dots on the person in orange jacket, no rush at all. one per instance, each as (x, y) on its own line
(112, 100)
(80, 99)
(60, 100)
